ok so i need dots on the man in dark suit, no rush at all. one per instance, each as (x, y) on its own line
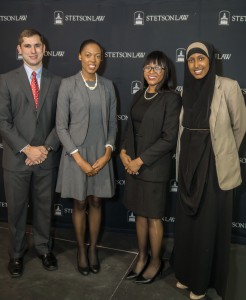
(30, 150)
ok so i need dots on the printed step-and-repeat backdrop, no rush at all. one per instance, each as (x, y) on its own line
(128, 30)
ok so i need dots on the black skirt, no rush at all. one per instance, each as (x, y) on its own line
(144, 198)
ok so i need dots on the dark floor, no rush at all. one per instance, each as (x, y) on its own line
(117, 253)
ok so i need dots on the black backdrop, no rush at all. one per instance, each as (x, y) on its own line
(128, 30)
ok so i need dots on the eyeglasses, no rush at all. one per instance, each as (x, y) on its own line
(156, 69)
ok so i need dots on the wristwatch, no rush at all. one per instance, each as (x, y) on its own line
(48, 148)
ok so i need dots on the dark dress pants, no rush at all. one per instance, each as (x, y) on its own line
(37, 185)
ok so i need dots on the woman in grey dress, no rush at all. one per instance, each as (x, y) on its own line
(86, 125)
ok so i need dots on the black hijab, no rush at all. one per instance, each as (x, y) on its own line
(198, 93)
(196, 144)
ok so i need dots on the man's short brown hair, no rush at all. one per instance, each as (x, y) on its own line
(29, 33)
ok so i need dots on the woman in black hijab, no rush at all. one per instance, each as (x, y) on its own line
(212, 126)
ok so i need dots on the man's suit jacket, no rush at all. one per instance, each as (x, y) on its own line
(227, 129)
(21, 124)
(157, 136)
(72, 118)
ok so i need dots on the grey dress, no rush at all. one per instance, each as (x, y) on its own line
(72, 181)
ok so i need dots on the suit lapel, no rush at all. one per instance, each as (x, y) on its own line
(215, 104)
(104, 105)
(82, 90)
(25, 85)
(44, 87)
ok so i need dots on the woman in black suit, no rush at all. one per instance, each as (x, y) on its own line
(146, 154)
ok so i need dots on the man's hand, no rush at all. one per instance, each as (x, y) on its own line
(35, 155)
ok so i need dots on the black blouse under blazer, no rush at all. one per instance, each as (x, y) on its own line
(157, 136)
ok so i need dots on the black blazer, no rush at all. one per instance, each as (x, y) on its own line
(157, 136)
(21, 124)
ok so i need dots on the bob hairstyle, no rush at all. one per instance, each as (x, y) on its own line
(159, 58)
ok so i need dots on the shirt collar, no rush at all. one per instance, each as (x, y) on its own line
(29, 71)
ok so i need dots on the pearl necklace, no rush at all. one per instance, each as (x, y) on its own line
(87, 85)
(145, 97)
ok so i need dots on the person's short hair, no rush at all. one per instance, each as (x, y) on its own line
(90, 41)
(29, 33)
